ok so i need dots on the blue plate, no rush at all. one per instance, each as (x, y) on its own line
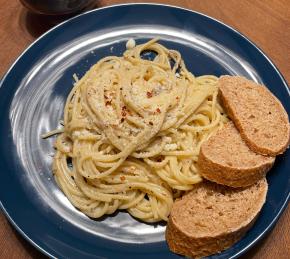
(32, 96)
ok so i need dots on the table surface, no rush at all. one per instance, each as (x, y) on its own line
(267, 23)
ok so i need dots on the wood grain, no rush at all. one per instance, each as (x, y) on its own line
(267, 23)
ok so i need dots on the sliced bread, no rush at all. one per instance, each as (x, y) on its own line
(257, 113)
(212, 217)
(226, 159)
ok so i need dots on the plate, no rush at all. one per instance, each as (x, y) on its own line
(32, 96)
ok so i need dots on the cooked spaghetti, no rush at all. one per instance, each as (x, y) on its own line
(132, 132)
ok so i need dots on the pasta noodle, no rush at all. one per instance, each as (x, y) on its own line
(132, 132)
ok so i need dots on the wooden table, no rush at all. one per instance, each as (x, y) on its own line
(267, 23)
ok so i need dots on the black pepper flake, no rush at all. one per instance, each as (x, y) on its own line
(159, 159)
(122, 120)
(108, 103)
(72, 177)
(151, 123)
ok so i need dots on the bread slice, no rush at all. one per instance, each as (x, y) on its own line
(257, 113)
(212, 217)
(226, 159)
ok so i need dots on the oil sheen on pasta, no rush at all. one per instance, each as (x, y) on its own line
(132, 133)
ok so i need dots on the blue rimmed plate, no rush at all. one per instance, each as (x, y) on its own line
(32, 96)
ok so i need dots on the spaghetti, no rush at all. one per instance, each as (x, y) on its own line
(132, 132)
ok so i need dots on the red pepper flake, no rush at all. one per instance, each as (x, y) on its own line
(177, 97)
(108, 103)
(151, 123)
(122, 120)
(123, 178)
(158, 110)
(123, 113)
(149, 94)
(124, 108)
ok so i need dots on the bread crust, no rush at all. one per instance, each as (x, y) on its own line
(191, 247)
(257, 144)
(213, 169)
(182, 242)
(229, 176)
